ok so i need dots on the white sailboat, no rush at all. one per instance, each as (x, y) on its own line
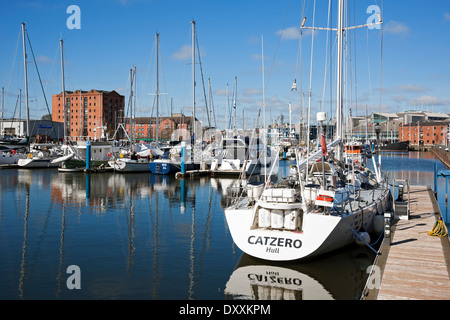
(170, 163)
(36, 158)
(238, 155)
(143, 154)
(138, 161)
(39, 159)
(315, 210)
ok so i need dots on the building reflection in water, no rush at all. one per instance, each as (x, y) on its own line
(144, 236)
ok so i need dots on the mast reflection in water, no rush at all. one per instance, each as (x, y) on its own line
(144, 236)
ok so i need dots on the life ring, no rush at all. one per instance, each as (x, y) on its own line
(325, 198)
(30, 156)
(109, 154)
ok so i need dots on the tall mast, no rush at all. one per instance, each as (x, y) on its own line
(234, 103)
(134, 100)
(26, 78)
(131, 106)
(63, 91)
(157, 87)
(20, 104)
(264, 112)
(339, 99)
(2, 133)
(193, 77)
(227, 119)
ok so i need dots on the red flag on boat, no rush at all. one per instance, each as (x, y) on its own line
(323, 142)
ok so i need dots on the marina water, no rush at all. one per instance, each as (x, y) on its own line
(142, 236)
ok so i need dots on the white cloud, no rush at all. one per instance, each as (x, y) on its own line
(446, 16)
(410, 88)
(220, 92)
(256, 56)
(44, 59)
(293, 33)
(184, 53)
(395, 27)
(250, 92)
(429, 100)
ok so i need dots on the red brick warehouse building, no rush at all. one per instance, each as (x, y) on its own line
(145, 127)
(90, 114)
(424, 133)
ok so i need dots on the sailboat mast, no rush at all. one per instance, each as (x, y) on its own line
(2, 133)
(234, 104)
(134, 100)
(264, 111)
(26, 78)
(227, 116)
(339, 99)
(157, 87)
(63, 91)
(193, 78)
(131, 106)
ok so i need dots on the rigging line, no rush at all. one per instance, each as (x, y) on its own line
(53, 65)
(368, 68)
(14, 61)
(164, 81)
(14, 114)
(327, 60)
(326, 56)
(381, 55)
(310, 84)
(40, 81)
(203, 80)
(278, 44)
(299, 50)
(211, 105)
(147, 83)
(354, 45)
(300, 91)
(67, 70)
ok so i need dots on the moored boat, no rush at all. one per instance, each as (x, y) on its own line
(323, 204)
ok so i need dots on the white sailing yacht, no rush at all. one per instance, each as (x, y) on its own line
(240, 155)
(170, 163)
(316, 209)
(37, 157)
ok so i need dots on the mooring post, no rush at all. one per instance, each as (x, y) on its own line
(183, 156)
(88, 155)
(435, 179)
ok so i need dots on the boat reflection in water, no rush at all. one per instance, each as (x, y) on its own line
(339, 276)
(144, 236)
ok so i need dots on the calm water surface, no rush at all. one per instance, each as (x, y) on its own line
(141, 236)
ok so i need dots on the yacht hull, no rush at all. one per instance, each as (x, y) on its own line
(319, 233)
(130, 166)
(37, 163)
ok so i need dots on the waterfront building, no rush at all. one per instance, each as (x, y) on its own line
(90, 115)
(395, 126)
(145, 128)
(425, 133)
(40, 130)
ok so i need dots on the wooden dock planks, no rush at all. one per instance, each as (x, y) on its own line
(416, 266)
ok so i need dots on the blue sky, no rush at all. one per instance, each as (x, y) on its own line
(117, 35)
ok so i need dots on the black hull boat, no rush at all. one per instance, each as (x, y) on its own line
(395, 146)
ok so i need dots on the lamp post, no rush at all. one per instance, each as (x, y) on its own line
(377, 131)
